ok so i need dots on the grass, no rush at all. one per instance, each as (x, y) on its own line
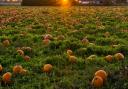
(25, 27)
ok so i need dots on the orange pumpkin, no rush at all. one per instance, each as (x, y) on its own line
(47, 68)
(20, 52)
(97, 82)
(69, 52)
(7, 77)
(46, 41)
(109, 58)
(102, 74)
(27, 58)
(72, 59)
(17, 69)
(6, 43)
(1, 68)
(119, 56)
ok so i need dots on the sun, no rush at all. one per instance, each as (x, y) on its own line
(65, 3)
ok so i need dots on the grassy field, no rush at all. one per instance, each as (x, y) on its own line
(104, 30)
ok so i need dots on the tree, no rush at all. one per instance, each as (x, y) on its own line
(121, 1)
(107, 2)
(37, 2)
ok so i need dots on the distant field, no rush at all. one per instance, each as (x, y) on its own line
(46, 33)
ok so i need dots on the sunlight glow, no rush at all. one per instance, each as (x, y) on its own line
(11, 0)
(65, 3)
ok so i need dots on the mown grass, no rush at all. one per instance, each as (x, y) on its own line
(25, 27)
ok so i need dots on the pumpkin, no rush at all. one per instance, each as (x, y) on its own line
(97, 82)
(106, 34)
(102, 74)
(7, 77)
(26, 49)
(109, 58)
(20, 52)
(69, 52)
(72, 59)
(47, 68)
(48, 36)
(1, 68)
(60, 37)
(85, 41)
(119, 56)
(6, 43)
(46, 41)
(29, 49)
(17, 69)
(27, 58)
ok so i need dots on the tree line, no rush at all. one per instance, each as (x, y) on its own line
(73, 2)
(44, 2)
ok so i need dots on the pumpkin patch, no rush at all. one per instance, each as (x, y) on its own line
(52, 47)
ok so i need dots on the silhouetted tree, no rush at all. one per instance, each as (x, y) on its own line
(42, 2)
(37, 2)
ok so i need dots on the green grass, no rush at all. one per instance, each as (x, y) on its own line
(74, 24)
